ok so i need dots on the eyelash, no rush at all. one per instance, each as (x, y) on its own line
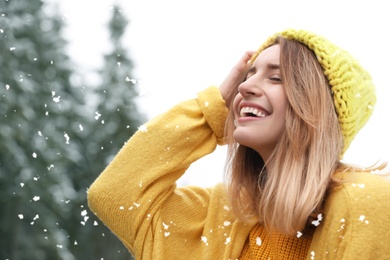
(275, 79)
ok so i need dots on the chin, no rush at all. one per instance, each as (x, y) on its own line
(242, 137)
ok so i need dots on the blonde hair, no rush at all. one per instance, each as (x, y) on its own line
(283, 192)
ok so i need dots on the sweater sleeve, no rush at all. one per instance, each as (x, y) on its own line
(356, 223)
(136, 195)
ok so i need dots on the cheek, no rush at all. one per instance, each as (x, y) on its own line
(280, 99)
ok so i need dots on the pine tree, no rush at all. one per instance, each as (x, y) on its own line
(118, 117)
(40, 115)
(115, 119)
(52, 146)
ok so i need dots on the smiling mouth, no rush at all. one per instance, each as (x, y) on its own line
(252, 112)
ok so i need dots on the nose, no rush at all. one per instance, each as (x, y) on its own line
(248, 88)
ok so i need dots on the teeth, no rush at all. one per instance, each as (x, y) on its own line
(251, 110)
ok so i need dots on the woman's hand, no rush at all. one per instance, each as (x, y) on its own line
(237, 75)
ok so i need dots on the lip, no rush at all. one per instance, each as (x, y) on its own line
(254, 105)
(251, 118)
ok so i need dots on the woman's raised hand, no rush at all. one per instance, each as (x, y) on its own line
(237, 75)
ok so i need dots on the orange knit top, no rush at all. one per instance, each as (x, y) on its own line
(262, 244)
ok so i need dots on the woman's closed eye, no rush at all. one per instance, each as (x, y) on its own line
(276, 79)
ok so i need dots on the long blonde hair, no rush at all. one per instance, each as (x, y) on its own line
(283, 192)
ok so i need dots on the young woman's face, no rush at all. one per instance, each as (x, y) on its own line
(260, 105)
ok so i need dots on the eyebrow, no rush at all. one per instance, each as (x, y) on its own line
(272, 66)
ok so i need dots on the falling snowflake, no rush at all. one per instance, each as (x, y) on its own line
(299, 234)
(342, 225)
(56, 99)
(143, 128)
(165, 226)
(36, 198)
(362, 218)
(361, 185)
(317, 222)
(258, 241)
(67, 138)
(134, 81)
(204, 240)
(98, 115)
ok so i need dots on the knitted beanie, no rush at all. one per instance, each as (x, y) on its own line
(351, 85)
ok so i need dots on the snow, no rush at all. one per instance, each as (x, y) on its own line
(204, 240)
(363, 219)
(67, 138)
(317, 222)
(226, 223)
(361, 185)
(142, 128)
(258, 241)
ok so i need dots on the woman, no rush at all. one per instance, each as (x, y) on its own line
(294, 107)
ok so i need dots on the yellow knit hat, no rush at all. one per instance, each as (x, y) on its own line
(351, 85)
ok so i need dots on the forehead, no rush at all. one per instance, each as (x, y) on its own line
(270, 55)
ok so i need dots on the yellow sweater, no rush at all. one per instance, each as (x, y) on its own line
(137, 198)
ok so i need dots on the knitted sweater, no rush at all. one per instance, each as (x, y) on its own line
(137, 198)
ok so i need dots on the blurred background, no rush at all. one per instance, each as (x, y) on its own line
(79, 77)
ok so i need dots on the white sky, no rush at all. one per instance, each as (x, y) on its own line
(182, 47)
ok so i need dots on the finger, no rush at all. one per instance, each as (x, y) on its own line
(244, 64)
